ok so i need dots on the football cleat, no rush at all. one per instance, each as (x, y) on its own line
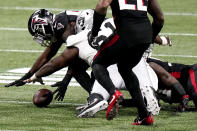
(113, 107)
(95, 103)
(145, 121)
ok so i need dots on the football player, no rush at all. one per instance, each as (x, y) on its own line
(51, 31)
(172, 92)
(133, 37)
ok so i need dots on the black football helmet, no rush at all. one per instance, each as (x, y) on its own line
(40, 26)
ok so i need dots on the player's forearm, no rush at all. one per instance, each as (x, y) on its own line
(158, 17)
(65, 59)
(99, 16)
(46, 70)
(48, 53)
(38, 64)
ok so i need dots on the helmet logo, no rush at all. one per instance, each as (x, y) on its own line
(81, 21)
(38, 21)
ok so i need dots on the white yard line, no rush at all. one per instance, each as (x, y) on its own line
(11, 130)
(31, 8)
(167, 33)
(178, 34)
(38, 84)
(36, 51)
(109, 11)
(27, 102)
(21, 51)
(184, 56)
(12, 29)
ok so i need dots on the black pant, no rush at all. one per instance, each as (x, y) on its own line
(126, 57)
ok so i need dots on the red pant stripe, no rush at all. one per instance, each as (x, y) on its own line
(193, 81)
(176, 74)
(111, 42)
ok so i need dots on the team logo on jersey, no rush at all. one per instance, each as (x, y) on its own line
(60, 26)
(81, 21)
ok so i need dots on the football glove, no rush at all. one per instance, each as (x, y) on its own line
(20, 81)
(61, 87)
(92, 41)
(166, 41)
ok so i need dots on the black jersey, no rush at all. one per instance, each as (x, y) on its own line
(185, 74)
(61, 21)
(129, 11)
(131, 20)
(179, 71)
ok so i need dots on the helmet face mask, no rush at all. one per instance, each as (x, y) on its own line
(40, 26)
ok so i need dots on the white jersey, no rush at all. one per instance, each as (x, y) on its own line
(80, 40)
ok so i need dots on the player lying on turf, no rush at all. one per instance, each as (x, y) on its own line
(169, 89)
(186, 76)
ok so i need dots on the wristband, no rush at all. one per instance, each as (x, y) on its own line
(164, 40)
(33, 77)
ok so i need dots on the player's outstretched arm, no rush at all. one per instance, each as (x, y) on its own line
(20, 82)
(41, 60)
(61, 61)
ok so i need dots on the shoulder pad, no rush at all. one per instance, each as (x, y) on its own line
(60, 23)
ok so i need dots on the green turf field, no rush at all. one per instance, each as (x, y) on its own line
(18, 50)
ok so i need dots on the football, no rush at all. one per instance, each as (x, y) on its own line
(42, 98)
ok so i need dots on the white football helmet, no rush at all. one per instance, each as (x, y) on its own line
(84, 20)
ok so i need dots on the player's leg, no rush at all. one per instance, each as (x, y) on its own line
(79, 68)
(148, 85)
(107, 55)
(99, 104)
(134, 54)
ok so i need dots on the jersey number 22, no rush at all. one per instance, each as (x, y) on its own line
(139, 6)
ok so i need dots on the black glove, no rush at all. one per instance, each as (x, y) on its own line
(20, 81)
(92, 41)
(62, 87)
